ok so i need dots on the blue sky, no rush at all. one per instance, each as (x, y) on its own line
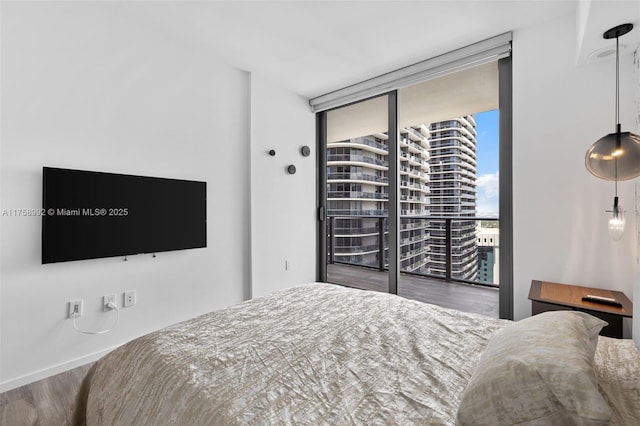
(487, 146)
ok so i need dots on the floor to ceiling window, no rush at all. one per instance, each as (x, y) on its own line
(357, 183)
(441, 227)
(400, 191)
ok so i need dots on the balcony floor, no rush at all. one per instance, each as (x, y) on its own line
(459, 296)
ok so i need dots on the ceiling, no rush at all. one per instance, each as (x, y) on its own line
(314, 47)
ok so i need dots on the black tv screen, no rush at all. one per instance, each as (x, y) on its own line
(88, 215)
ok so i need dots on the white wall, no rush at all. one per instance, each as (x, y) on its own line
(560, 109)
(283, 216)
(85, 88)
(560, 232)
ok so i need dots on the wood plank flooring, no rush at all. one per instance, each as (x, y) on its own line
(463, 297)
(48, 402)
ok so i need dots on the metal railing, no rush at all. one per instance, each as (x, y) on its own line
(357, 176)
(378, 222)
(357, 158)
(358, 194)
(361, 141)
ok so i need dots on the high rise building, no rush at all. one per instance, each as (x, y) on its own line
(453, 194)
(357, 188)
(357, 182)
(488, 238)
(414, 199)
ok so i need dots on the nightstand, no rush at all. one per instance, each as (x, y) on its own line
(546, 296)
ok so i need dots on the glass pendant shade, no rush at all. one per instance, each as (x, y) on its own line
(617, 223)
(615, 156)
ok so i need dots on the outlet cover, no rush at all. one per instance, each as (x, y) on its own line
(75, 308)
(106, 299)
(129, 298)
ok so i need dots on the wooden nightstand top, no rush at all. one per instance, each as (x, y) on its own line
(571, 295)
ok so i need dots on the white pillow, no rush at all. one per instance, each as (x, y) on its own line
(538, 371)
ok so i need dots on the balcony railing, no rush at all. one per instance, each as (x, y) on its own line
(357, 176)
(450, 252)
(358, 194)
(362, 141)
(357, 158)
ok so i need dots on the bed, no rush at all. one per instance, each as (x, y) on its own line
(326, 354)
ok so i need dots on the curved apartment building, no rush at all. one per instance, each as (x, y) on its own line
(357, 182)
(414, 199)
(453, 193)
(437, 177)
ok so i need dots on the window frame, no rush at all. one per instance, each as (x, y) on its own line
(505, 183)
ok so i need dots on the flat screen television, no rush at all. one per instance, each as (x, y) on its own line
(88, 215)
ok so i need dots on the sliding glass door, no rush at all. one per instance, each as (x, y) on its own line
(400, 193)
(357, 195)
(445, 213)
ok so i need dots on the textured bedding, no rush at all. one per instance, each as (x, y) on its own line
(617, 367)
(312, 354)
(319, 354)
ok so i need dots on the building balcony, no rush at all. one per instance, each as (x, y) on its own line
(419, 286)
(453, 253)
(346, 213)
(362, 143)
(356, 177)
(357, 195)
(412, 159)
(414, 134)
(354, 159)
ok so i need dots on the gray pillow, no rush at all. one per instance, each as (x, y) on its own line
(538, 371)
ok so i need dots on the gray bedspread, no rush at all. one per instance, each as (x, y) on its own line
(312, 354)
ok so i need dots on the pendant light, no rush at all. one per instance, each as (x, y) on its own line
(615, 156)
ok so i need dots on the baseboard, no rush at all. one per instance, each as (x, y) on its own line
(52, 371)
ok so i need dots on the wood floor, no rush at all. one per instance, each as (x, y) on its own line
(463, 297)
(48, 402)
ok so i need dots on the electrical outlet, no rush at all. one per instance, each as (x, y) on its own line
(287, 265)
(75, 308)
(129, 298)
(106, 300)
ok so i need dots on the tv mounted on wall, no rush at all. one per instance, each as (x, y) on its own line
(88, 215)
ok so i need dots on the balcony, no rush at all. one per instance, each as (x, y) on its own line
(363, 141)
(356, 176)
(355, 158)
(434, 268)
(357, 195)
(462, 297)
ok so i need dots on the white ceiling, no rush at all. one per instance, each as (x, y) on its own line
(596, 17)
(314, 47)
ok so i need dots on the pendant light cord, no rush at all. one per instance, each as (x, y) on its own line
(615, 158)
(617, 83)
